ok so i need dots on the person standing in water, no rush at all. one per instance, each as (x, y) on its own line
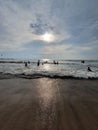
(26, 64)
(38, 63)
(89, 69)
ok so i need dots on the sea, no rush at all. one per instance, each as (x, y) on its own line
(48, 68)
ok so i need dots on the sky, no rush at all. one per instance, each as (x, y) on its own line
(61, 29)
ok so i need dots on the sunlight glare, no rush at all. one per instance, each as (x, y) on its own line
(48, 37)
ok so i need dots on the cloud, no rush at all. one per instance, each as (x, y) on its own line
(73, 23)
(21, 23)
(55, 49)
(70, 51)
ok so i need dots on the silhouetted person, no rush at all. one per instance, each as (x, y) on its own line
(54, 62)
(26, 64)
(89, 69)
(83, 61)
(38, 63)
(45, 62)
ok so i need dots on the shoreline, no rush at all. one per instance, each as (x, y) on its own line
(39, 75)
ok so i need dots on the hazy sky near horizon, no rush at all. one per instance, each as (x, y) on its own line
(71, 25)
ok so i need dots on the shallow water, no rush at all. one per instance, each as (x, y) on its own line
(72, 68)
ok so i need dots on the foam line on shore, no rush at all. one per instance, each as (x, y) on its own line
(38, 75)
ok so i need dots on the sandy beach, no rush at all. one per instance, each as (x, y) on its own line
(48, 104)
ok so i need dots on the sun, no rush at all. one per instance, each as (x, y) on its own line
(48, 37)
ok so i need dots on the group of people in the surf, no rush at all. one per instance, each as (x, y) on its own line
(54, 62)
(38, 63)
(46, 62)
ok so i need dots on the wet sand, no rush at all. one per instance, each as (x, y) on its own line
(48, 104)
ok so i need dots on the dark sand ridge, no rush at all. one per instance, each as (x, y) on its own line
(48, 104)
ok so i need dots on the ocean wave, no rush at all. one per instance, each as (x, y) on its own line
(42, 75)
(66, 70)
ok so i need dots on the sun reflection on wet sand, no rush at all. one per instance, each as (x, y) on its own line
(47, 102)
(46, 92)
